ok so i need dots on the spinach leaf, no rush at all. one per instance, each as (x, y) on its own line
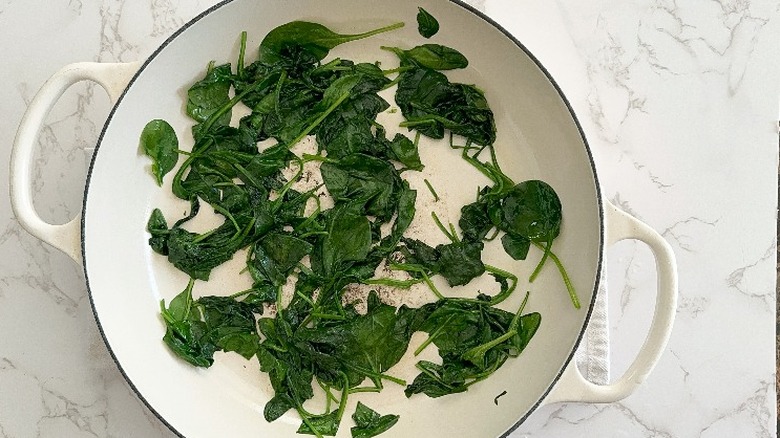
(460, 325)
(348, 240)
(260, 294)
(421, 255)
(460, 262)
(313, 37)
(516, 246)
(431, 104)
(197, 254)
(269, 162)
(159, 142)
(532, 210)
(405, 152)
(457, 262)
(474, 221)
(275, 256)
(158, 228)
(348, 129)
(427, 24)
(324, 425)
(185, 333)
(303, 120)
(362, 179)
(365, 344)
(433, 56)
(474, 340)
(230, 324)
(368, 423)
(207, 96)
(404, 217)
(290, 376)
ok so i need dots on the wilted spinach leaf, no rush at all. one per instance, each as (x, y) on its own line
(431, 104)
(427, 24)
(368, 423)
(275, 256)
(159, 142)
(532, 210)
(365, 180)
(313, 37)
(197, 254)
(158, 228)
(432, 56)
(186, 334)
(230, 324)
(460, 262)
(516, 246)
(474, 221)
(210, 93)
(405, 152)
(325, 424)
(474, 340)
(457, 262)
(348, 240)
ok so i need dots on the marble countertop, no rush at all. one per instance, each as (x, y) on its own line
(679, 101)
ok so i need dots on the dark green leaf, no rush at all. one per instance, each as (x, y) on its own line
(158, 228)
(460, 262)
(348, 240)
(532, 210)
(474, 221)
(277, 406)
(436, 57)
(427, 24)
(361, 179)
(326, 424)
(197, 254)
(438, 380)
(420, 254)
(432, 104)
(208, 95)
(264, 293)
(528, 326)
(372, 342)
(405, 152)
(230, 324)
(313, 37)
(186, 334)
(270, 161)
(275, 256)
(404, 217)
(516, 246)
(459, 325)
(368, 423)
(159, 142)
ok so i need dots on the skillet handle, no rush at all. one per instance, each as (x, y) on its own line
(572, 386)
(65, 237)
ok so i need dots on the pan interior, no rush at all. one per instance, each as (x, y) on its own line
(537, 139)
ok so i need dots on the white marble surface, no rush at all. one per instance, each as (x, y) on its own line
(679, 100)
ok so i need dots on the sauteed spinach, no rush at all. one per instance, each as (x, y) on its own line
(427, 24)
(294, 242)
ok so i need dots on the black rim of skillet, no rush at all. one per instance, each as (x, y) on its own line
(477, 13)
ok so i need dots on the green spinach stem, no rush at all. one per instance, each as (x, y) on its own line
(443, 229)
(241, 52)
(430, 188)
(538, 269)
(566, 280)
